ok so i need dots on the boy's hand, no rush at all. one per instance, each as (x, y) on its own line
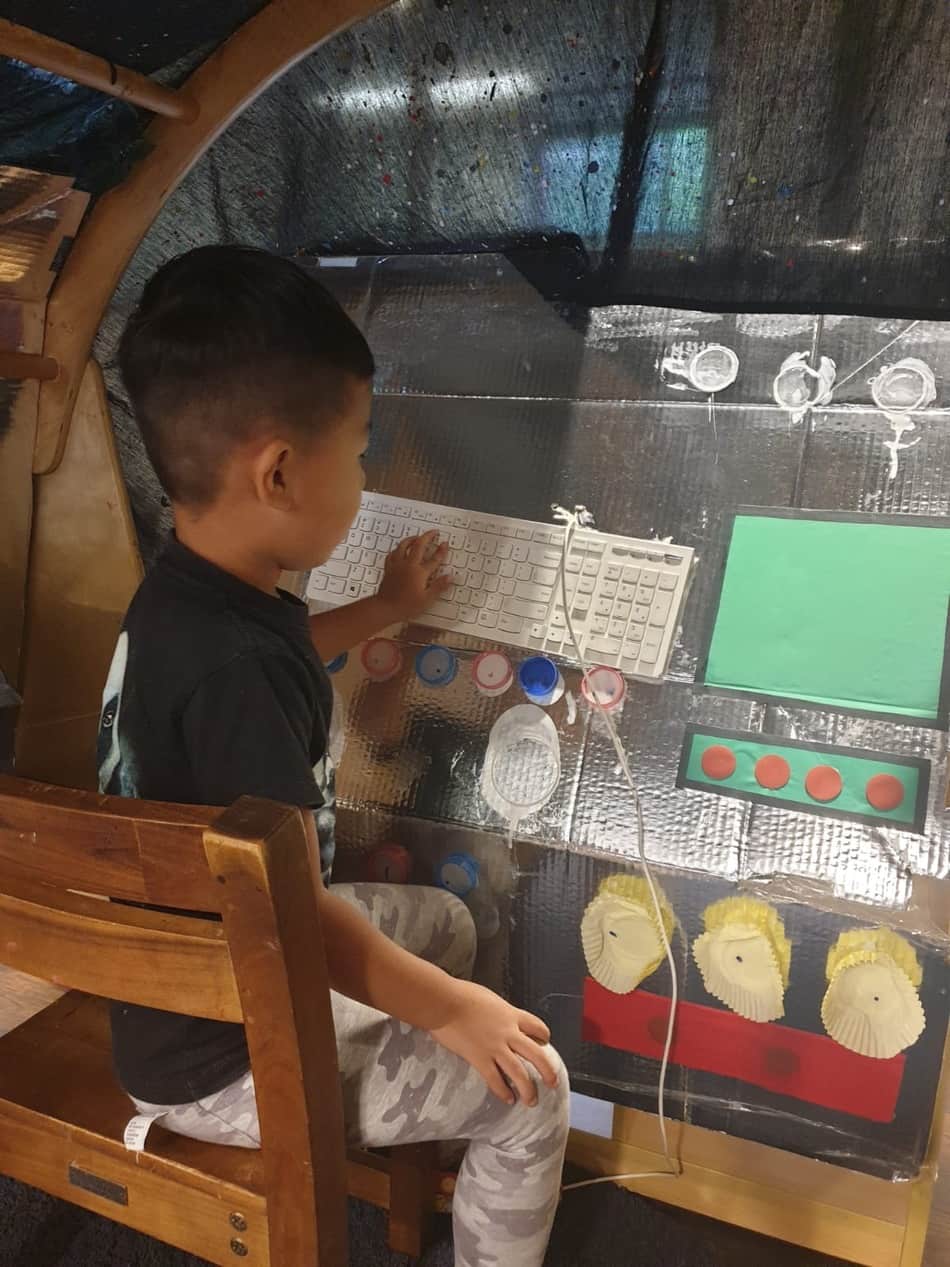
(410, 582)
(495, 1038)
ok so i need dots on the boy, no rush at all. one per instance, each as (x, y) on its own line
(252, 390)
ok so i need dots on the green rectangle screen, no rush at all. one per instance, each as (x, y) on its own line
(850, 613)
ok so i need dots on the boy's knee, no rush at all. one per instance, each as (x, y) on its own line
(454, 921)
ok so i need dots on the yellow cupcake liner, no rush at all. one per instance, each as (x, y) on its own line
(621, 935)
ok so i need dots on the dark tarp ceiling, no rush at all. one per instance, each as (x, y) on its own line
(785, 154)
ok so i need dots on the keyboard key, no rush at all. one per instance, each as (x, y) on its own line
(506, 586)
(519, 553)
(634, 637)
(457, 539)
(592, 545)
(608, 589)
(612, 572)
(333, 567)
(503, 549)
(487, 545)
(490, 584)
(538, 630)
(471, 543)
(640, 614)
(467, 615)
(631, 575)
(372, 576)
(352, 589)
(510, 624)
(603, 606)
(544, 558)
(598, 624)
(648, 579)
(628, 665)
(667, 582)
(461, 594)
(523, 571)
(558, 621)
(597, 642)
(474, 580)
(335, 585)
(352, 555)
(493, 602)
(444, 609)
(545, 576)
(491, 566)
(523, 534)
(573, 564)
(507, 568)
(617, 628)
(627, 592)
(661, 607)
(318, 581)
(487, 619)
(357, 573)
(528, 589)
(520, 607)
(586, 585)
(621, 610)
(590, 567)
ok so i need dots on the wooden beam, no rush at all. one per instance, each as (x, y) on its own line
(27, 365)
(259, 52)
(94, 72)
(84, 568)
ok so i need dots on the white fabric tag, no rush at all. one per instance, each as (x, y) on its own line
(137, 1129)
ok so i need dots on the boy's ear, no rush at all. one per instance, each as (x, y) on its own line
(269, 474)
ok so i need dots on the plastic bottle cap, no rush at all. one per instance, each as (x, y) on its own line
(714, 367)
(538, 677)
(390, 864)
(458, 873)
(338, 663)
(382, 659)
(436, 666)
(603, 686)
(492, 673)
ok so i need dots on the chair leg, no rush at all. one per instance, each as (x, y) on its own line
(411, 1175)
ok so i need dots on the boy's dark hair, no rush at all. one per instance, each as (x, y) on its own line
(224, 338)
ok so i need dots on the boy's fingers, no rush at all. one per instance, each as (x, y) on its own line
(496, 1084)
(536, 1056)
(534, 1027)
(443, 583)
(519, 1078)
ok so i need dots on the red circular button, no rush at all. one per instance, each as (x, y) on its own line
(772, 772)
(884, 792)
(718, 762)
(823, 783)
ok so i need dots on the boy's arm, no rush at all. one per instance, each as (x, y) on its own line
(490, 1034)
(408, 587)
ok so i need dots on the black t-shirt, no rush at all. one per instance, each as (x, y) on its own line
(215, 691)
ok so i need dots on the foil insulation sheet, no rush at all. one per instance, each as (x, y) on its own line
(492, 398)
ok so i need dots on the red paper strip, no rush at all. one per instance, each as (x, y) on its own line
(791, 1062)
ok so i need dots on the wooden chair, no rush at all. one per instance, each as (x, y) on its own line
(62, 1114)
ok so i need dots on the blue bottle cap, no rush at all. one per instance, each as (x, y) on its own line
(458, 873)
(436, 666)
(538, 676)
(337, 664)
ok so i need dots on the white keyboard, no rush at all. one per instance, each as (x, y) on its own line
(625, 595)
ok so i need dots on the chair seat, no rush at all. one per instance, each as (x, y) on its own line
(59, 1064)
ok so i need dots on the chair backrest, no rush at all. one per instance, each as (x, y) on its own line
(257, 865)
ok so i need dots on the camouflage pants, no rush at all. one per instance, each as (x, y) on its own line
(401, 1087)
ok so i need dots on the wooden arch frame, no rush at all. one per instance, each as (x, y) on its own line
(258, 53)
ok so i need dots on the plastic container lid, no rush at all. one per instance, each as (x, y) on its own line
(713, 368)
(389, 864)
(538, 677)
(458, 873)
(338, 663)
(382, 659)
(492, 673)
(603, 687)
(436, 666)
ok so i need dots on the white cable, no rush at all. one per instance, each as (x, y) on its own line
(896, 339)
(571, 520)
